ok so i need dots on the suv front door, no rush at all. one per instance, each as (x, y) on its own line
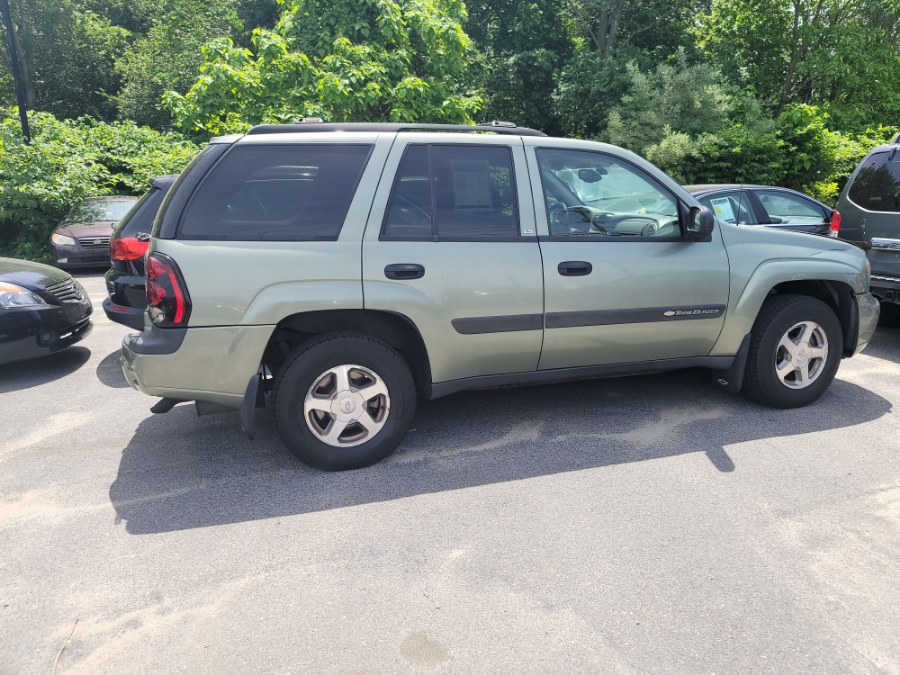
(621, 283)
(450, 244)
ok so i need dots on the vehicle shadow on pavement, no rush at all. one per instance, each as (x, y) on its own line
(885, 344)
(109, 371)
(180, 471)
(35, 372)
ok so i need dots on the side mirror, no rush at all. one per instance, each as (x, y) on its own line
(700, 224)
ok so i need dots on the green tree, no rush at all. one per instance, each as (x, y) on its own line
(342, 61)
(809, 51)
(69, 55)
(169, 56)
(523, 45)
(590, 87)
(686, 98)
(658, 27)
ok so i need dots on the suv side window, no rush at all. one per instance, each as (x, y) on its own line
(877, 185)
(277, 193)
(600, 196)
(453, 193)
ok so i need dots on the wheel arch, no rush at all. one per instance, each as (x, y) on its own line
(394, 329)
(832, 285)
(837, 295)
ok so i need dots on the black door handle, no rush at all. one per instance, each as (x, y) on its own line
(404, 271)
(574, 268)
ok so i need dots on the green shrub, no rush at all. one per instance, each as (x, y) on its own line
(67, 161)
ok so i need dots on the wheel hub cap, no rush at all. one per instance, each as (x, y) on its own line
(346, 406)
(801, 355)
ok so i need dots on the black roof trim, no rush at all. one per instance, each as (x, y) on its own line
(309, 127)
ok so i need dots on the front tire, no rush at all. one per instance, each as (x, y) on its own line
(795, 350)
(344, 401)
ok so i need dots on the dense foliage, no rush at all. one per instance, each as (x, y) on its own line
(788, 92)
(67, 161)
(344, 59)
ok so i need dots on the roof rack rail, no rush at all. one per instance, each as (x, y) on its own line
(309, 125)
(896, 139)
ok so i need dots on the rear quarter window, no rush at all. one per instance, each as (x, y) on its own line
(140, 218)
(276, 192)
(877, 184)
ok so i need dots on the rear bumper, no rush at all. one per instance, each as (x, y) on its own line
(133, 317)
(195, 364)
(869, 309)
(885, 288)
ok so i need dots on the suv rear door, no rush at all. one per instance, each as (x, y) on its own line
(450, 244)
(622, 285)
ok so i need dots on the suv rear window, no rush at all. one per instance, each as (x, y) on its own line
(276, 192)
(877, 185)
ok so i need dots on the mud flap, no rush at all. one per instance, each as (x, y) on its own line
(252, 401)
(732, 379)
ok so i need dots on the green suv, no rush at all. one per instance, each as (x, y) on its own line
(339, 271)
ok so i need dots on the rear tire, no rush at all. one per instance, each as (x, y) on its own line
(795, 350)
(344, 401)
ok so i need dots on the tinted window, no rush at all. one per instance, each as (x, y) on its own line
(276, 192)
(589, 193)
(409, 210)
(453, 192)
(140, 218)
(732, 207)
(783, 207)
(877, 185)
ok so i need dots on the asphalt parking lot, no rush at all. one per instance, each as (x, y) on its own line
(649, 523)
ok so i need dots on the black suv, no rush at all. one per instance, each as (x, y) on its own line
(870, 204)
(125, 278)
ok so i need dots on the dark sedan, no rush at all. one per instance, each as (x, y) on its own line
(42, 310)
(82, 239)
(768, 206)
(125, 278)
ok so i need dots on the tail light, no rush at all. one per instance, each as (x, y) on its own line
(168, 302)
(127, 248)
(835, 225)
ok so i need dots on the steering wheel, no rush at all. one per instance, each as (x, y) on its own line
(594, 219)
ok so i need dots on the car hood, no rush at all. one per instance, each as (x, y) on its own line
(29, 274)
(101, 228)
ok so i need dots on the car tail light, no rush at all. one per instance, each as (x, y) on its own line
(127, 248)
(168, 302)
(835, 226)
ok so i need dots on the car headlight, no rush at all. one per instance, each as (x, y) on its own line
(15, 296)
(62, 240)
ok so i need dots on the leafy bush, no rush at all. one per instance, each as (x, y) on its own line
(796, 150)
(342, 61)
(67, 161)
